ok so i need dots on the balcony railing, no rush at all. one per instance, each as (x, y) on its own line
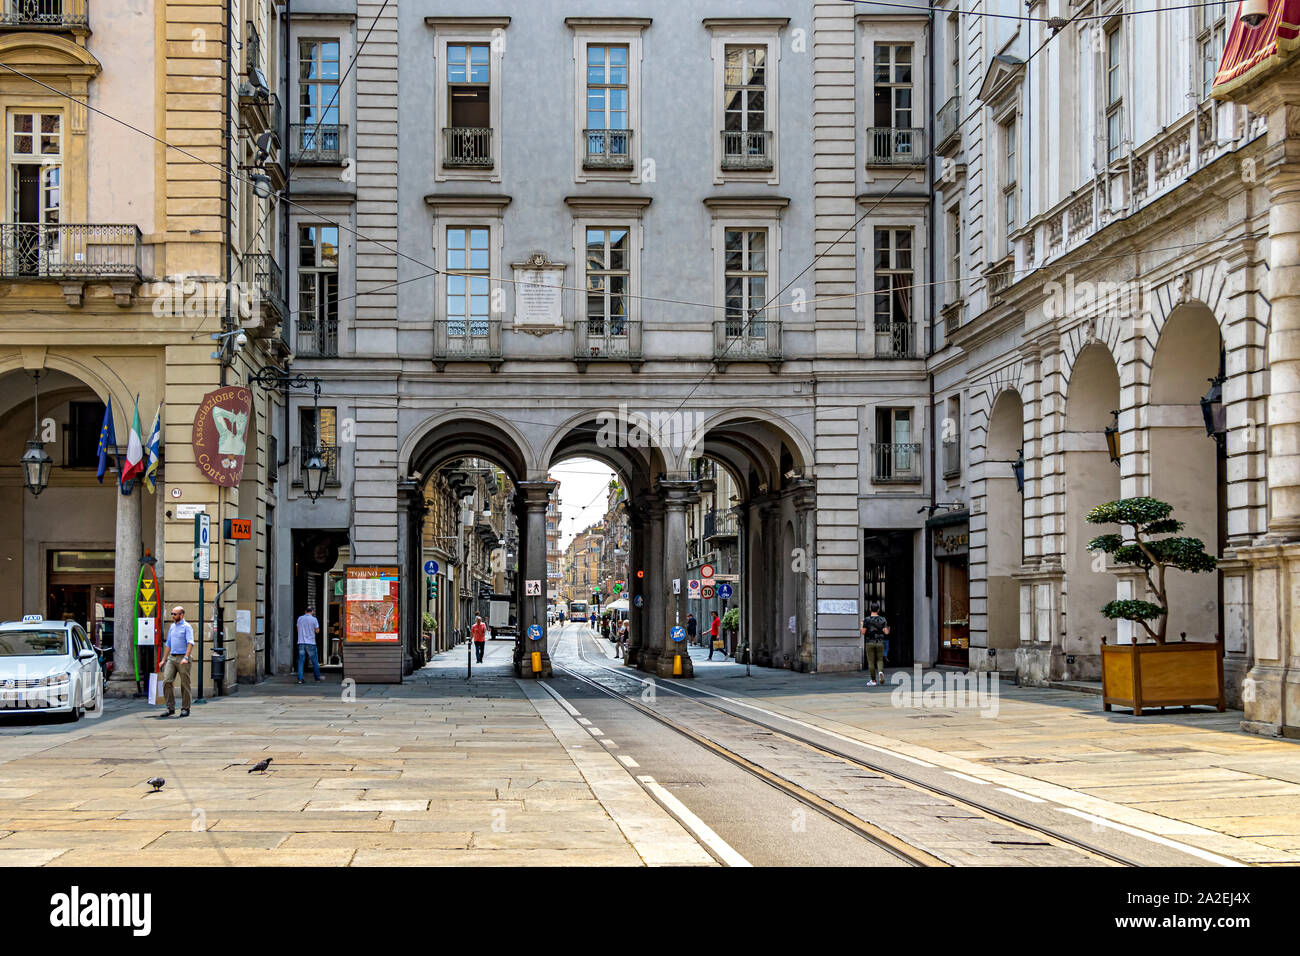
(318, 335)
(746, 149)
(44, 14)
(896, 340)
(757, 339)
(320, 145)
(461, 340)
(887, 146)
(615, 339)
(947, 124)
(467, 147)
(260, 271)
(69, 251)
(951, 457)
(720, 524)
(895, 461)
(329, 456)
(608, 149)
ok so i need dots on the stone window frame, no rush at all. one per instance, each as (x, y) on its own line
(469, 211)
(746, 31)
(754, 213)
(606, 212)
(467, 30)
(618, 31)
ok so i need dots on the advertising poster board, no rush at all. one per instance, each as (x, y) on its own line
(372, 623)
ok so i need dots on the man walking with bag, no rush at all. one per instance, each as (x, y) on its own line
(874, 630)
(176, 661)
(308, 628)
(715, 642)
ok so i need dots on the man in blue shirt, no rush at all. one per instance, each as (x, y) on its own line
(308, 628)
(176, 661)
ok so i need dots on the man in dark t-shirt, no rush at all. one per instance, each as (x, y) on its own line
(874, 630)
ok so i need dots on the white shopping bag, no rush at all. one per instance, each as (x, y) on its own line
(153, 688)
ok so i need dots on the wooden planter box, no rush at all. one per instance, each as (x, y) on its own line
(1143, 676)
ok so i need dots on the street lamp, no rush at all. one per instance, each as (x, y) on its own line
(1018, 469)
(36, 464)
(1112, 437)
(314, 469)
(1214, 412)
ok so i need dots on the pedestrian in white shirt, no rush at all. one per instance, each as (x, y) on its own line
(308, 628)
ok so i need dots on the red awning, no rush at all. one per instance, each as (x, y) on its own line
(1253, 51)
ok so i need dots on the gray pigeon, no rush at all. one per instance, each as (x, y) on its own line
(156, 783)
(260, 765)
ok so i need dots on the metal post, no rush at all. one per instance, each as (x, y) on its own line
(199, 697)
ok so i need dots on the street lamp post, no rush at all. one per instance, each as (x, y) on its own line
(314, 469)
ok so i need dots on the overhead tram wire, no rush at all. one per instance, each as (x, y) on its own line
(918, 8)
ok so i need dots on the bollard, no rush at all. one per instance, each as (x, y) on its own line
(677, 665)
(537, 662)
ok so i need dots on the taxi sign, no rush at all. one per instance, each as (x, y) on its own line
(678, 633)
(239, 529)
(535, 632)
(29, 618)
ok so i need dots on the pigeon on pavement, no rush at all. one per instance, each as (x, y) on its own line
(260, 765)
(156, 783)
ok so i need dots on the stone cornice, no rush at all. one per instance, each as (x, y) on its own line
(608, 23)
(462, 201)
(746, 23)
(470, 23)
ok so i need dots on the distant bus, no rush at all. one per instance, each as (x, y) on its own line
(577, 610)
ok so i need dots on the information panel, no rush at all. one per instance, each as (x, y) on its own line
(373, 614)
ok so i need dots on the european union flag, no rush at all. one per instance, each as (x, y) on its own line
(107, 440)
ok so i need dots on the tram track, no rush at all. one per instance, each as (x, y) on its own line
(873, 833)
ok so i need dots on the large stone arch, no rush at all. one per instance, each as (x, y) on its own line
(468, 433)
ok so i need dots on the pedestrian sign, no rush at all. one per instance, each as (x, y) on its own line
(725, 591)
(533, 588)
(678, 633)
(431, 567)
(638, 600)
(535, 632)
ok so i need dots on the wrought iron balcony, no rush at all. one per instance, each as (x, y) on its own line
(322, 145)
(318, 335)
(947, 124)
(895, 462)
(887, 146)
(48, 15)
(756, 339)
(259, 271)
(951, 457)
(720, 524)
(616, 339)
(746, 149)
(329, 456)
(69, 251)
(461, 340)
(896, 340)
(467, 147)
(608, 149)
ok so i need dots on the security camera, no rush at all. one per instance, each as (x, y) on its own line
(1253, 12)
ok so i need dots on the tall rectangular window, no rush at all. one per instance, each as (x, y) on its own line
(1114, 95)
(895, 456)
(468, 267)
(1210, 44)
(745, 89)
(607, 130)
(893, 277)
(35, 167)
(318, 289)
(954, 255)
(609, 271)
(952, 438)
(469, 84)
(745, 282)
(1010, 170)
(318, 432)
(892, 99)
(318, 82)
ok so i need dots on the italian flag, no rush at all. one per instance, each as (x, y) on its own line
(134, 466)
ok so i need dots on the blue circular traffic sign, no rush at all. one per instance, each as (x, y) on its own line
(535, 632)
(724, 591)
(430, 567)
(678, 633)
(638, 600)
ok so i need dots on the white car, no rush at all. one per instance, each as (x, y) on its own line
(48, 667)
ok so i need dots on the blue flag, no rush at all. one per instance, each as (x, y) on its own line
(107, 441)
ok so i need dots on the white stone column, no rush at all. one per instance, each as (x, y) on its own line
(677, 496)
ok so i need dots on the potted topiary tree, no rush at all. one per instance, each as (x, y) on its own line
(1155, 674)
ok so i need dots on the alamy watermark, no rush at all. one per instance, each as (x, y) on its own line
(934, 690)
(676, 430)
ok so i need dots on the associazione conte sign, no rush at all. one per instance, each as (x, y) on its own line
(223, 426)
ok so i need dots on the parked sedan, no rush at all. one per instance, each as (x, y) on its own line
(49, 667)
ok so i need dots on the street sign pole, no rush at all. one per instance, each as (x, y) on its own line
(202, 570)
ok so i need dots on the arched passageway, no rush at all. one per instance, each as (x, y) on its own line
(1092, 478)
(1004, 535)
(1187, 466)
